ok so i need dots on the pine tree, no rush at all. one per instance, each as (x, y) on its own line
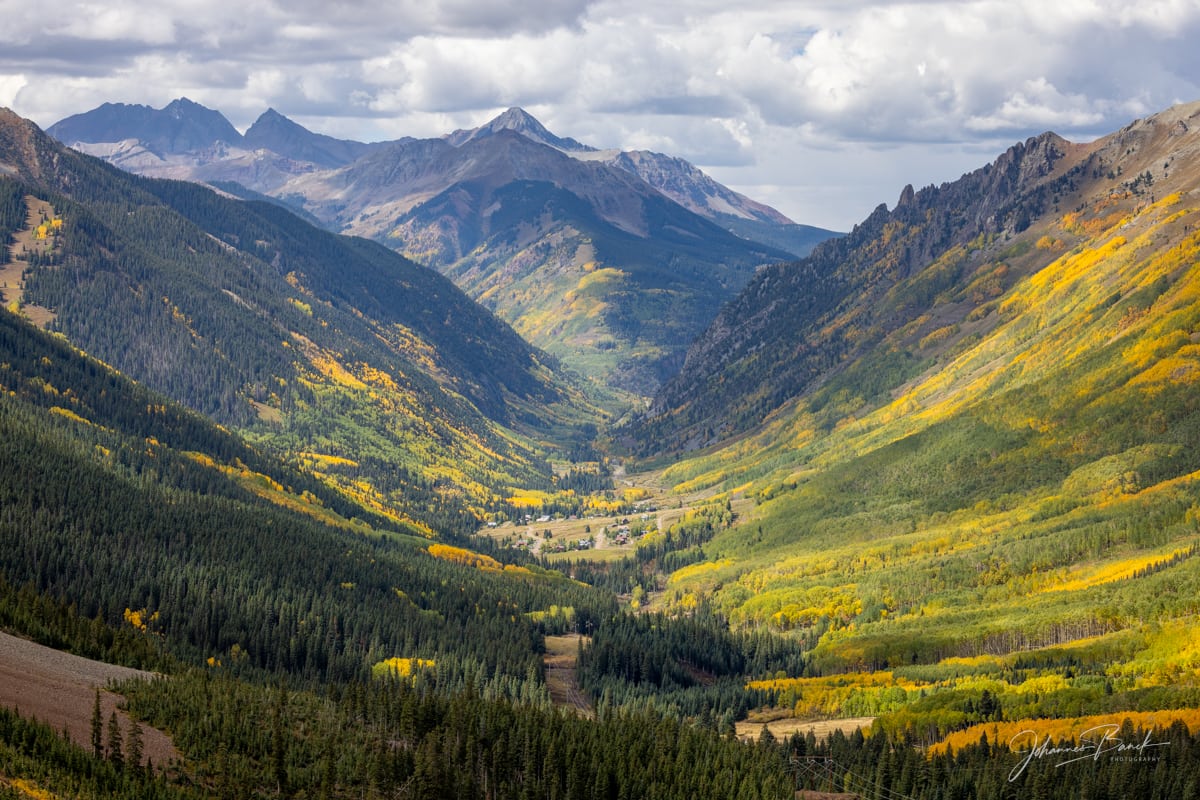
(279, 743)
(328, 771)
(114, 740)
(133, 748)
(97, 728)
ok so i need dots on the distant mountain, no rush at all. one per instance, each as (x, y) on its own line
(181, 127)
(275, 132)
(674, 177)
(610, 262)
(699, 193)
(518, 120)
(692, 189)
(337, 351)
(589, 262)
(187, 141)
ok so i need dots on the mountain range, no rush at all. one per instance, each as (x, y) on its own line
(618, 261)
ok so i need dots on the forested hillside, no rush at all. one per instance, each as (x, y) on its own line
(177, 517)
(335, 352)
(865, 301)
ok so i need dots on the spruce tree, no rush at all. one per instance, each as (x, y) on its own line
(97, 728)
(114, 739)
(133, 748)
(279, 743)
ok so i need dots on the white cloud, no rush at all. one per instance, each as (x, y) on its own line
(1039, 103)
(10, 86)
(145, 23)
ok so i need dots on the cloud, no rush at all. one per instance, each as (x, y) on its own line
(10, 85)
(1038, 103)
(947, 72)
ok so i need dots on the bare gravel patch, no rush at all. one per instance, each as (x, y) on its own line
(59, 690)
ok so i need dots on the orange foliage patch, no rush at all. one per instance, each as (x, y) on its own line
(401, 667)
(461, 556)
(28, 788)
(1022, 734)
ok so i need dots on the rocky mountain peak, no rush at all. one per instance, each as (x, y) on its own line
(519, 121)
(183, 107)
(271, 122)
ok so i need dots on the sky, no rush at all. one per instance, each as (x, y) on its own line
(823, 109)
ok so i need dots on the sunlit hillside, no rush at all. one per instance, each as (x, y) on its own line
(1025, 505)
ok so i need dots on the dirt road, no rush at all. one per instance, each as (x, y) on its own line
(561, 678)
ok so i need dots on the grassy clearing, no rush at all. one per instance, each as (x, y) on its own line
(751, 729)
(657, 510)
(38, 237)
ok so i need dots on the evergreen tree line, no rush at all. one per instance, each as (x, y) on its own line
(388, 738)
(404, 738)
(56, 623)
(110, 521)
(12, 211)
(32, 751)
(411, 738)
(585, 481)
(689, 668)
